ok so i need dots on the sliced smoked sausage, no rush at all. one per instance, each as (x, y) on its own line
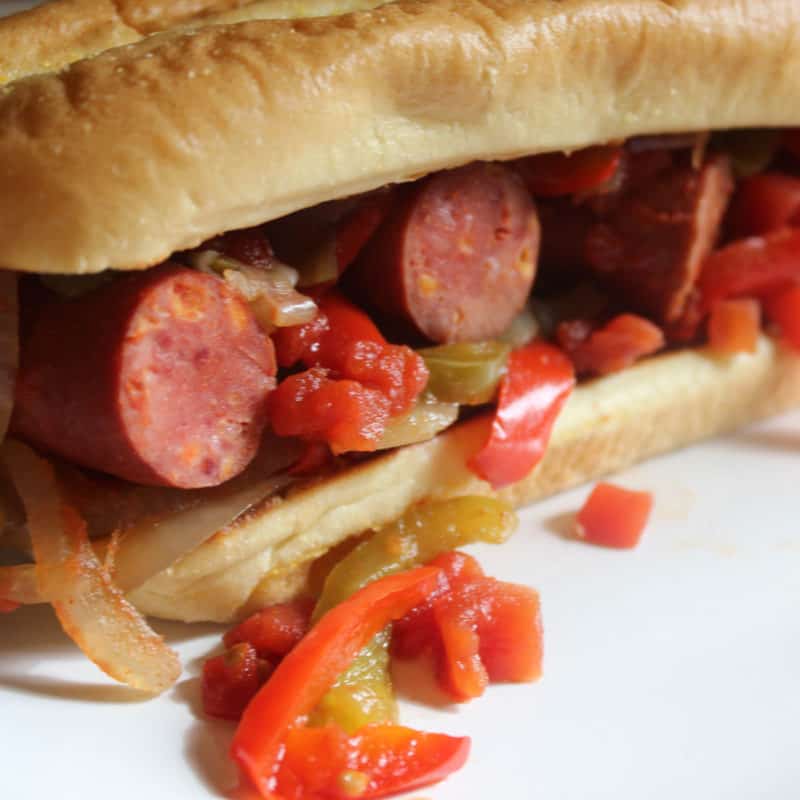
(456, 258)
(160, 377)
(651, 244)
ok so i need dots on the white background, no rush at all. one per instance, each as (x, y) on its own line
(671, 671)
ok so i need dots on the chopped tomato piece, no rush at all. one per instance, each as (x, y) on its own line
(553, 174)
(230, 681)
(7, 606)
(311, 668)
(344, 413)
(613, 347)
(479, 628)
(783, 308)
(613, 516)
(764, 203)
(379, 760)
(274, 630)
(344, 340)
(734, 325)
(751, 267)
(356, 229)
(791, 141)
(532, 393)
(299, 342)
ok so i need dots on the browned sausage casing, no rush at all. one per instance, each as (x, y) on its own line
(456, 258)
(159, 378)
(652, 244)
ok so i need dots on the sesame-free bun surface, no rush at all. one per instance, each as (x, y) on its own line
(119, 160)
(658, 405)
(51, 36)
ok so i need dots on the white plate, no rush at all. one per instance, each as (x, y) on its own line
(671, 671)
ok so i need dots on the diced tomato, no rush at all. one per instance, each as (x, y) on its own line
(553, 174)
(765, 203)
(274, 630)
(613, 516)
(532, 393)
(344, 340)
(379, 760)
(783, 309)
(7, 606)
(310, 669)
(479, 629)
(613, 347)
(344, 413)
(231, 681)
(791, 141)
(461, 671)
(751, 267)
(734, 325)
(356, 229)
(299, 342)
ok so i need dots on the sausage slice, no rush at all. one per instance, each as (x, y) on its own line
(159, 377)
(652, 245)
(456, 258)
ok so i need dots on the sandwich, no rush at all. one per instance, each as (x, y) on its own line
(279, 280)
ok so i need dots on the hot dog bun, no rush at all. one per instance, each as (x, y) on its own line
(103, 168)
(654, 407)
(51, 36)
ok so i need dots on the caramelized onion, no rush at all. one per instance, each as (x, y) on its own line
(423, 422)
(91, 609)
(18, 585)
(9, 346)
(269, 290)
(149, 547)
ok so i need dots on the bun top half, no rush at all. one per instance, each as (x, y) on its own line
(119, 160)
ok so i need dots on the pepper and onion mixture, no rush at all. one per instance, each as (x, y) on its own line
(271, 354)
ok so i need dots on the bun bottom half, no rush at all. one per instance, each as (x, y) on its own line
(658, 405)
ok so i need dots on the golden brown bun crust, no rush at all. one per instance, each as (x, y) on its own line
(51, 36)
(102, 166)
(656, 406)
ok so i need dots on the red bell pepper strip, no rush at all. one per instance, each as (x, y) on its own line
(734, 325)
(539, 380)
(783, 309)
(613, 516)
(378, 760)
(311, 668)
(752, 267)
(765, 203)
(554, 174)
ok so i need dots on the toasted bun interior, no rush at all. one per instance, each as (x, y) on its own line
(102, 167)
(656, 406)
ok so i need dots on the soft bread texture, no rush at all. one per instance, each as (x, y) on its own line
(102, 167)
(54, 35)
(656, 406)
